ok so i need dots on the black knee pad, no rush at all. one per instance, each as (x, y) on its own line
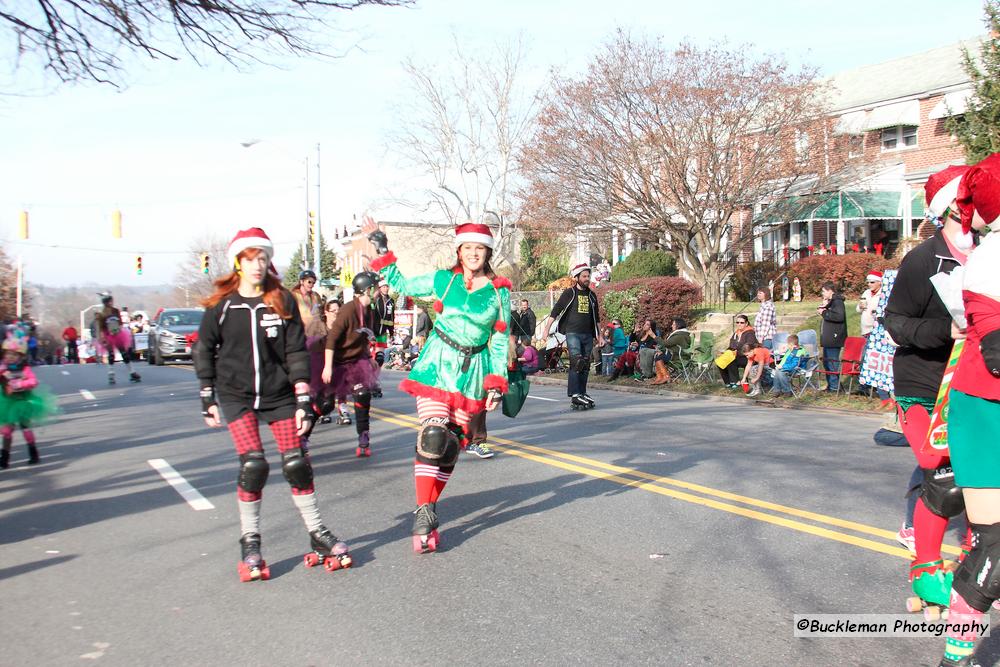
(362, 396)
(939, 493)
(977, 579)
(380, 358)
(579, 364)
(326, 405)
(253, 472)
(437, 445)
(296, 468)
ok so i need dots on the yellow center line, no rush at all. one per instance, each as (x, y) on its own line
(652, 483)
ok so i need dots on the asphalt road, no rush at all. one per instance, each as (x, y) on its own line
(653, 530)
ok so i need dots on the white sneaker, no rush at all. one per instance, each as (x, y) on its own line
(754, 392)
(906, 537)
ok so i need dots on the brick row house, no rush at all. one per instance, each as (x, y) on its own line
(891, 117)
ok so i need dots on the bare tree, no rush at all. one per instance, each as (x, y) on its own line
(679, 143)
(192, 283)
(462, 130)
(79, 40)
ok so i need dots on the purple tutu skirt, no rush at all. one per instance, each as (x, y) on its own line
(350, 374)
(316, 348)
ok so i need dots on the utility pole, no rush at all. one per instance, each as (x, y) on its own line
(305, 236)
(20, 284)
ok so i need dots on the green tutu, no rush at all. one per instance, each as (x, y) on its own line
(27, 407)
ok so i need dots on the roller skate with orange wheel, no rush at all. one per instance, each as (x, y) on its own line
(252, 566)
(425, 534)
(931, 583)
(328, 551)
(364, 445)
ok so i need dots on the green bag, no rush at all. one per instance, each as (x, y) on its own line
(517, 393)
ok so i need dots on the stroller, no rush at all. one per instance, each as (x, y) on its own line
(553, 360)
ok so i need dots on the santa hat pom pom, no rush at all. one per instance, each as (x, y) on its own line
(964, 241)
(500, 326)
(438, 306)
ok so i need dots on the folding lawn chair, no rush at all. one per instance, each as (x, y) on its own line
(704, 357)
(807, 375)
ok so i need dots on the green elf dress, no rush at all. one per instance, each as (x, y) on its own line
(466, 354)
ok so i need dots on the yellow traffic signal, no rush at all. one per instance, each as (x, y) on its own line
(116, 224)
(138, 265)
(22, 232)
(312, 228)
(204, 263)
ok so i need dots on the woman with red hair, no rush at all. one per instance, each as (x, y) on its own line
(252, 365)
(462, 369)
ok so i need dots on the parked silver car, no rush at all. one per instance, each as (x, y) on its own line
(168, 334)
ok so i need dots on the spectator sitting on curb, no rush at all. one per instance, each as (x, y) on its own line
(620, 343)
(648, 335)
(626, 363)
(791, 361)
(527, 359)
(744, 335)
(758, 360)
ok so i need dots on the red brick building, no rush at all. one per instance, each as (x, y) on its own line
(890, 116)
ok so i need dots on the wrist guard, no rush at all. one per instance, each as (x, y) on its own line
(304, 403)
(380, 241)
(207, 400)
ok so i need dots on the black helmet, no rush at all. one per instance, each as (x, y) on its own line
(308, 273)
(106, 297)
(364, 281)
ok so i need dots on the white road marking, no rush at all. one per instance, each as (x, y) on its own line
(65, 372)
(88, 395)
(52, 551)
(173, 478)
(539, 398)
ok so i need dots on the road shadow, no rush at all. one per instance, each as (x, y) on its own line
(24, 568)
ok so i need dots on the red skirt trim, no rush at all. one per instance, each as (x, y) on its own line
(453, 400)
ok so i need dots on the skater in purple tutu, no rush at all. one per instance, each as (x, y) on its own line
(348, 367)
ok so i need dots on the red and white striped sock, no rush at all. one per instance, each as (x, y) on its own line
(425, 478)
(440, 481)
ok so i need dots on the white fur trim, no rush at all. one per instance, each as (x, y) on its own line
(578, 269)
(981, 275)
(239, 245)
(472, 237)
(964, 241)
(942, 198)
(872, 276)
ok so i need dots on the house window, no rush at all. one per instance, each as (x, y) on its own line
(902, 136)
(856, 145)
(801, 145)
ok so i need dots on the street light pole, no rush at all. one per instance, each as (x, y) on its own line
(319, 222)
(20, 284)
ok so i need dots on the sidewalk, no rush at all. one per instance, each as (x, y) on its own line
(630, 387)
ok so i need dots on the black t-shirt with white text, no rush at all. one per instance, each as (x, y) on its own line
(579, 311)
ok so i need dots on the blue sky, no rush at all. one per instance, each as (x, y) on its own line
(166, 150)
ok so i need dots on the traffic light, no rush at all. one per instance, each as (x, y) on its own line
(138, 265)
(116, 224)
(312, 228)
(204, 263)
(22, 232)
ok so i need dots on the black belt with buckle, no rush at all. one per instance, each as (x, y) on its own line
(468, 351)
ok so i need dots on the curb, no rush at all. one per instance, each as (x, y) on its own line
(556, 382)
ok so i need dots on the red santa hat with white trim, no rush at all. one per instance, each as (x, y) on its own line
(942, 188)
(471, 232)
(874, 275)
(979, 192)
(578, 269)
(255, 237)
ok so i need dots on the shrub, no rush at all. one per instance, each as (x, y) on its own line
(847, 272)
(749, 277)
(645, 264)
(660, 299)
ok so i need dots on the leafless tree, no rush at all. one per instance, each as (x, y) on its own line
(462, 130)
(80, 40)
(682, 143)
(192, 283)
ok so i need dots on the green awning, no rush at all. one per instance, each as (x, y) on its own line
(847, 205)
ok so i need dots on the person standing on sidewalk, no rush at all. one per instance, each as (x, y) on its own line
(833, 333)
(72, 338)
(765, 324)
(578, 315)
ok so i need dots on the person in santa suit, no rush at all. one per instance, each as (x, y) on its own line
(974, 413)
(919, 322)
(252, 366)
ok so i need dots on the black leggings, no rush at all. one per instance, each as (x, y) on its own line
(732, 373)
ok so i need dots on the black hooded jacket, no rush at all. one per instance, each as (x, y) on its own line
(918, 320)
(833, 330)
(249, 354)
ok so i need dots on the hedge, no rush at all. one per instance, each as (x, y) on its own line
(644, 264)
(847, 272)
(659, 299)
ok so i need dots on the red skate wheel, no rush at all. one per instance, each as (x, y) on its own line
(265, 571)
(419, 545)
(359, 452)
(244, 572)
(434, 541)
(311, 559)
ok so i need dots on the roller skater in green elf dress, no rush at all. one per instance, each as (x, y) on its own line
(462, 369)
